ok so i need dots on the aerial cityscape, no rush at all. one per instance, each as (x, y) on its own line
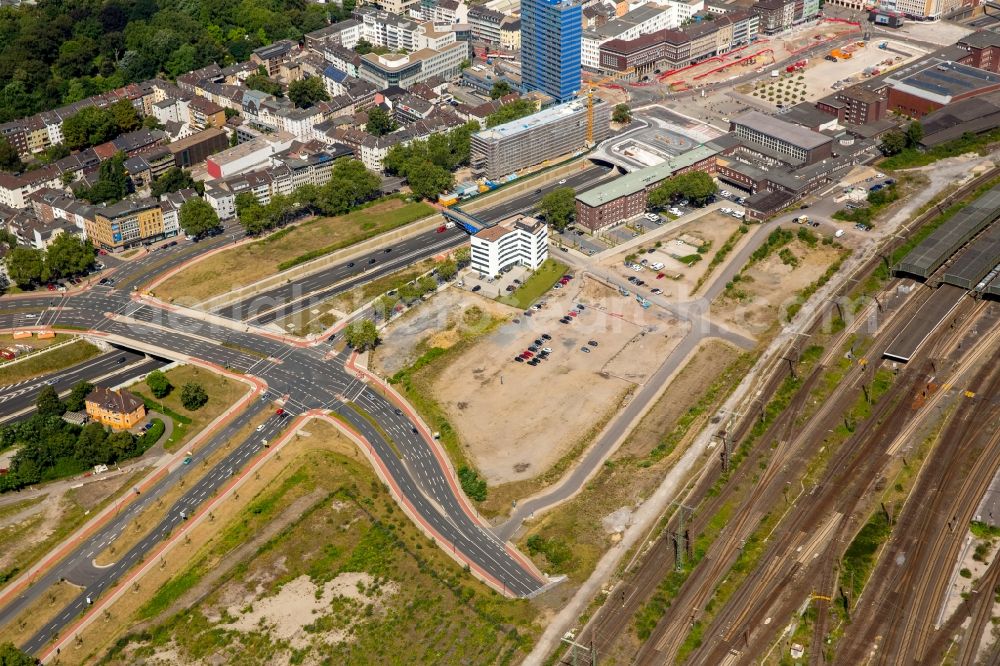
(496, 332)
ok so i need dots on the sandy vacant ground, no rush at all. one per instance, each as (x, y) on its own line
(712, 229)
(771, 288)
(517, 420)
(438, 323)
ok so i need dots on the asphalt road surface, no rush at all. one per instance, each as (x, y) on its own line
(308, 380)
(114, 368)
(280, 302)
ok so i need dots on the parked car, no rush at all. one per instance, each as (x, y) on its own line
(477, 287)
(592, 343)
(585, 350)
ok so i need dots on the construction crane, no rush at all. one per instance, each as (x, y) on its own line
(590, 107)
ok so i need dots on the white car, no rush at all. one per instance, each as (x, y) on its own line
(547, 350)
(562, 182)
(880, 175)
(260, 427)
(676, 211)
(727, 211)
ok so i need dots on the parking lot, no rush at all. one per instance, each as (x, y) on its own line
(517, 418)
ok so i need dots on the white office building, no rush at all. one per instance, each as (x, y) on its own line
(516, 241)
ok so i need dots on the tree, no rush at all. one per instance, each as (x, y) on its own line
(622, 114)
(446, 270)
(517, 109)
(306, 92)
(112, 182)
(26, 266)
(172, 180)
(427, 180)
(9, 158)
(914, 134)
(47, 403)
(158, 384)
(77, 396)
(463, 256)
(363, 47)
(362, 335)
(197, 217)
(384, 306)
(500, 88)
(88, 127)
(125, 117)
(893, 143)
(380, 122)
(558, 207)
(696, 186)
(193, 396)
(69, 255)
(264, 84)
(10, 655)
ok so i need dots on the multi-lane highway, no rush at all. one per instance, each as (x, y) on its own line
(307, 379)
(112, 368)
(273, 304)
(293, 297)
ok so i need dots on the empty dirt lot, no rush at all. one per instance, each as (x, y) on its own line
(761, 297)
(709, 232)
(517, 420)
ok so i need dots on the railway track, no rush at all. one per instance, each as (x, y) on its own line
(614, 617)
(835, 504)
(899, 610)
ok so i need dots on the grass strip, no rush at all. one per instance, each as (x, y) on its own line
(409, 213)
(537, 284)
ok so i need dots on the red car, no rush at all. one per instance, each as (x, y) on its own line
(441, 229)
(102, 252)
(564, 282)
(279, 412)
(571, 313)
(659, 276)
(527, 354)
(50, 287)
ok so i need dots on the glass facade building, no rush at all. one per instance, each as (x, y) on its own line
(551, 33)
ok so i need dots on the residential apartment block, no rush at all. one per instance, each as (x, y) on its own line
(126, 224)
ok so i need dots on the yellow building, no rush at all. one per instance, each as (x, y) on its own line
(510, 34)
(118, 409)
(125, 224)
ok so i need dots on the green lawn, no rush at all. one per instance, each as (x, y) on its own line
(47, 361)
(248, 263)
(536, 285)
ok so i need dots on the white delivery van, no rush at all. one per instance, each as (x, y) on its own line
(839, 233)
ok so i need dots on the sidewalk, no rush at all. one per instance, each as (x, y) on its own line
(91, 526)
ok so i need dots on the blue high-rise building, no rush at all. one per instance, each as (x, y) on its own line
(551, 32)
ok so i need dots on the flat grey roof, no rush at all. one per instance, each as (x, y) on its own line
(994, 288)
(941, 81)
(790, 132)
(976, 261)
(944, 241)
(945, 299)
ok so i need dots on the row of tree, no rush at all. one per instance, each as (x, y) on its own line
(695, 186)
(427, 165)
(351, 184)
(49, 447)
(66, 256)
